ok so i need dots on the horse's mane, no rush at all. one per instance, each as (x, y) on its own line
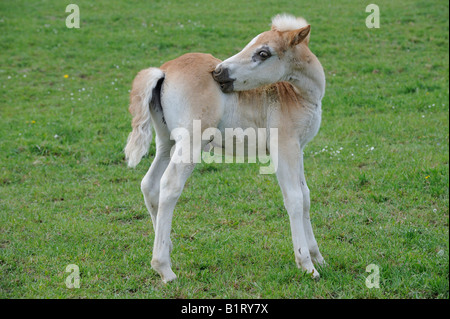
(287, 22)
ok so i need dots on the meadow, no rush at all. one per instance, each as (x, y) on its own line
(378, 170)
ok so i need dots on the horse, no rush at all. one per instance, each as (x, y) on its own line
(275, 82)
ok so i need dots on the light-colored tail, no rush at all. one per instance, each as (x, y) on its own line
(141, 97)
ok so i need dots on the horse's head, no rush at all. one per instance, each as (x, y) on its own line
(270, 57)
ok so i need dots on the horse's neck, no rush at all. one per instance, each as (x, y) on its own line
(250, 108)
(245, 109)
(309, 82)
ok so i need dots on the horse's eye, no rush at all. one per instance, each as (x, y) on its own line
(264, 54)
(261, 54)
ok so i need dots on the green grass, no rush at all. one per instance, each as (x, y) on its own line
(378, 169)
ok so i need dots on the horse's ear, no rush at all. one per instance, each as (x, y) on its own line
(300, 35)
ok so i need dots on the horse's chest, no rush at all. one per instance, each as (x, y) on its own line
(310, 124)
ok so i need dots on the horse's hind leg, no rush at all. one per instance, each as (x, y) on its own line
(151, 181)
(150, 184)
(172, 184)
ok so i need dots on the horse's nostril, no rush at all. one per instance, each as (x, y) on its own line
(222, 77)
(218, 71)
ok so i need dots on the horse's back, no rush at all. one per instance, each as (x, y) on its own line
(190, 63)
(189, 91)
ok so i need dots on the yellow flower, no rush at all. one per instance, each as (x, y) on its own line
(427, 177)
(66, 76)
(33, 122)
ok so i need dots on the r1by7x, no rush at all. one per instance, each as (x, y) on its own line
(246, 308)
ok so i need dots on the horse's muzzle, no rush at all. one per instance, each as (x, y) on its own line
(221, 76)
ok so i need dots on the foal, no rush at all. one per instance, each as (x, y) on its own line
(274, 82)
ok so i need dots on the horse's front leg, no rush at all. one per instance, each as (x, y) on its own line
(312, 243)
(288, 175)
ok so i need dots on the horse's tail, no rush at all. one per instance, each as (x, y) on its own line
(145, 93)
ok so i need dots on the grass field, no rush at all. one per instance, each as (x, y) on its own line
(378, 169)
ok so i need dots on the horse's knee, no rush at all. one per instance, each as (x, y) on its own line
(145, 185)
(148, 187)
(293, 202)
(171, 187)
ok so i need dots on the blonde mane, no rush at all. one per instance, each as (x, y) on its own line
(287, 22)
